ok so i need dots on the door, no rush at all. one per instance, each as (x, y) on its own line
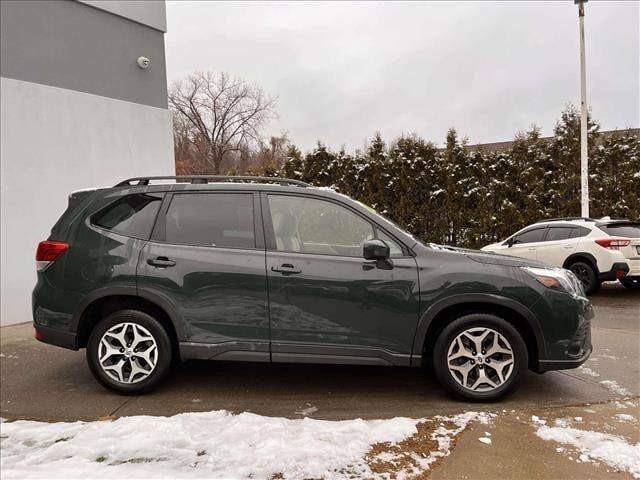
(326, 303)
(206, 258)
(526, 243)
(559, 243)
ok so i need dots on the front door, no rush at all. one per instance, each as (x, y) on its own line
(326, 303)
(207, 258)
(526, 244)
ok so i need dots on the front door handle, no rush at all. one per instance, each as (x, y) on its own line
(161, 262)
(286, 269)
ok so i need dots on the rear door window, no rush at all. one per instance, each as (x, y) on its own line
(559, 233)
(530, 236)
(211, 219)
(131, 215)
(628, 230)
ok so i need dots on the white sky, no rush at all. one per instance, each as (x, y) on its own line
(342, 71)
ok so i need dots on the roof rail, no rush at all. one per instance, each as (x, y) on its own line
(212, 179)
(585, 219)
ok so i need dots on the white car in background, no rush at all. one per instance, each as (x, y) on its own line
(594, 250)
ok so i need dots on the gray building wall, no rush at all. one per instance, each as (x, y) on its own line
(68, 44)
(75, 112)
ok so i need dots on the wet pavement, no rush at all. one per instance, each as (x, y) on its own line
(42, 382)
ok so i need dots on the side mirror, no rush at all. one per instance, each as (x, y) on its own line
(510, 242)
(376, 249)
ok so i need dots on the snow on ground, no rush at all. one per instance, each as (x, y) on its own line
(214, 444)
(588, 371)
(613, 386)
(594, 446)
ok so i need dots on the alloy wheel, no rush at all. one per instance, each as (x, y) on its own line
(127, 353)
(583, 274)
(480, 359)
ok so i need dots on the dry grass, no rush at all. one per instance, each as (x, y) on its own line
(413, 457)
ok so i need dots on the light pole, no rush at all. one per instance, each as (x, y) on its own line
(584, 165)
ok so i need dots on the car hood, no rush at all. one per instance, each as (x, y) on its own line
(490, 257)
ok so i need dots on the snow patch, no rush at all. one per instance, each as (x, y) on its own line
(588, 371)
(625, 417)
(214, 444)
(613, 386)
(610, 449)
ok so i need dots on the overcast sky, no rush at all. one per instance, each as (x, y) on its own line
(342, 71)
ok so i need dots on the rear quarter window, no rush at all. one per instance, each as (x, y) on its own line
(628, 230)
(131, 215)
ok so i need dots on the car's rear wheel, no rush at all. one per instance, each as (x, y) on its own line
(587, 276)
(479, 357)
(631, 283)
(129, 351)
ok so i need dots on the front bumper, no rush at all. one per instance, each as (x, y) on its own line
(566, 325)
(548, 365)
(56, 337)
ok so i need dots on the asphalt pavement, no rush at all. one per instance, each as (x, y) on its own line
(42, 382)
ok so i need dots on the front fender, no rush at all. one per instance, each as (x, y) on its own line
(476, 298)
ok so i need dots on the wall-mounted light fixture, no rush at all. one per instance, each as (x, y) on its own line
(143, 62)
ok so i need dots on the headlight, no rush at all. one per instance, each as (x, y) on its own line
(557, 279)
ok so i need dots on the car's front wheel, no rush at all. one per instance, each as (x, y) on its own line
(129, 351)
(479, 357)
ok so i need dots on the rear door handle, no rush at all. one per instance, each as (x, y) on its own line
(161, 262)
(286, 269)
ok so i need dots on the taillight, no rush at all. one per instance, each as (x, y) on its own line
(613, 243)
(48, 252)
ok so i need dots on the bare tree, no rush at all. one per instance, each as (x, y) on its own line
(219, 115)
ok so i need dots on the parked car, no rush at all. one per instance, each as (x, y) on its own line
(594, 250)
(275, 270)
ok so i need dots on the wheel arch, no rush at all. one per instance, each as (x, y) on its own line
(581, 257)
(101, 305)
(442, 313)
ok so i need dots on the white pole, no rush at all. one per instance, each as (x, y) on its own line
(584, 165)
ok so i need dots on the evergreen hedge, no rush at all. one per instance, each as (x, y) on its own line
(471, 198)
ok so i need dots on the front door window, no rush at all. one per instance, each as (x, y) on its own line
(313, 226)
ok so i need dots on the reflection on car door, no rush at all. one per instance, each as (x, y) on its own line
(207, 253)
(526, 244)
(326, 303)
(559, 243)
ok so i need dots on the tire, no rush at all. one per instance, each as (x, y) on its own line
(587, 276)
(631, 283)
(468, 330)
(136, 369)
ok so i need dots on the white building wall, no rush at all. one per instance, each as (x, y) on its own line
(54, 141)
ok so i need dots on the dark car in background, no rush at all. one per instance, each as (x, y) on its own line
(275, 270)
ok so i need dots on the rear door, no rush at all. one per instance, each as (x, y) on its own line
(328, 304)
(206, 257)
(526, 243)
(560, 242)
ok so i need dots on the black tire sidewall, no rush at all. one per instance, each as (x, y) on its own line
(451, 331)
(160, 336)
(594, 282)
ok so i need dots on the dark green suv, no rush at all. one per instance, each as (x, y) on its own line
(275, 270)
